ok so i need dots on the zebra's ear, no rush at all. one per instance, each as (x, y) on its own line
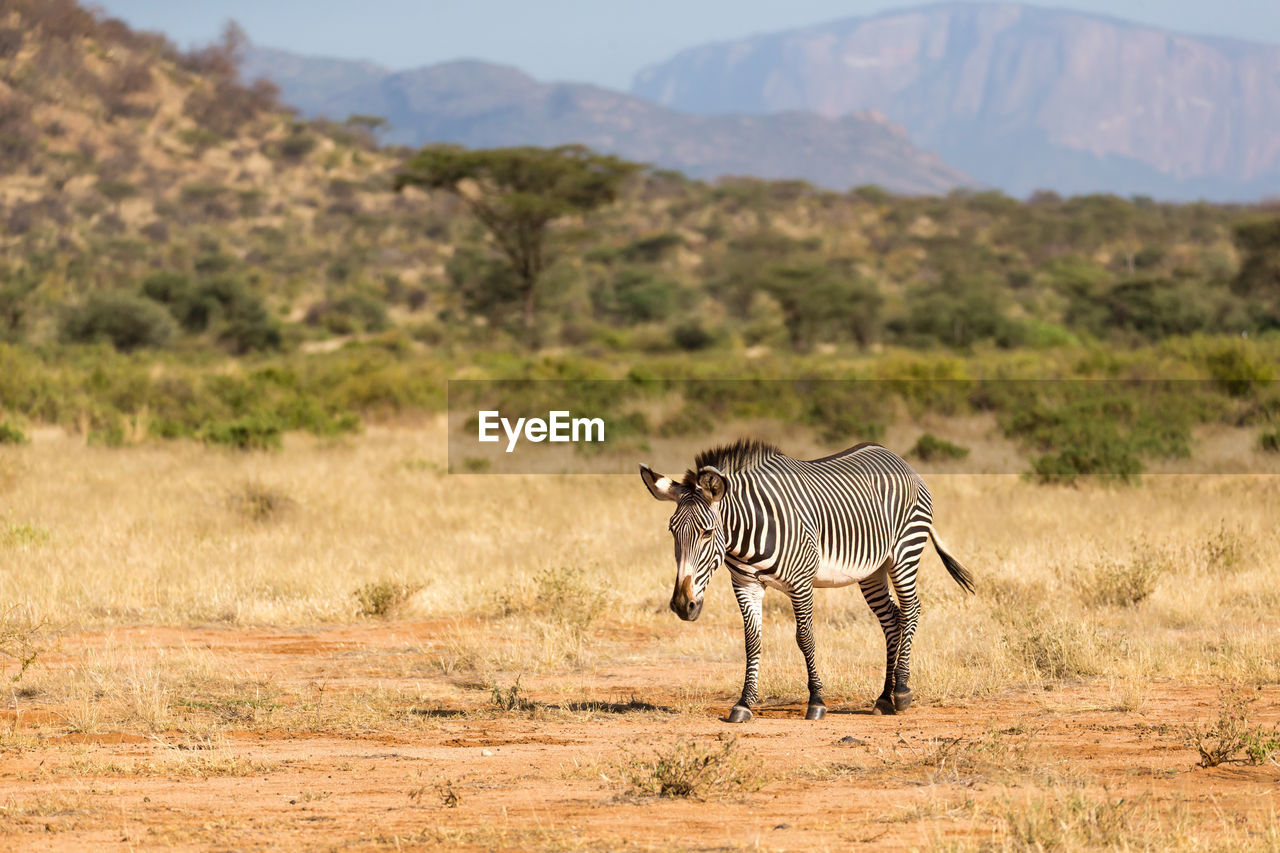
(712, 483)
(661, 487)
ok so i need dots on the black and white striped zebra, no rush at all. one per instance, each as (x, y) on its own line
(860, 516)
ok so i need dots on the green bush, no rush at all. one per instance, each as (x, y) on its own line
(691, 335)
(637, 296)
(1104, 455)
(248, 327)
(128, 322)
(958, 312)
(247, 433)
(242, 321)
(10, 434)
(348, 314)
(1238, 368)
(1101, 429)
(929, 448)
(1270, 441)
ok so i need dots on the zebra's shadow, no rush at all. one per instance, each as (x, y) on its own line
(793, 710)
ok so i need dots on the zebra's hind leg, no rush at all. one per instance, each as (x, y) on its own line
(876, 591)
(903, 575)
(802, 606)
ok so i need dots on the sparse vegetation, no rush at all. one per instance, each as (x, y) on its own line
(510, 699)
(692, 769)
(1071, 821)
(1119, 583)
(21, 640)
(1232, 737)
(258, 501)
(1055, 646)
(1225, 549)
(384, 598)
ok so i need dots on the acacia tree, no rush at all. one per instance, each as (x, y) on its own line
(516, 193)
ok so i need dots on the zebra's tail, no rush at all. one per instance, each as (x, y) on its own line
(958, 572)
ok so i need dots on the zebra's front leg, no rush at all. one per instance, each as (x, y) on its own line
(802, 605)
(750, 599)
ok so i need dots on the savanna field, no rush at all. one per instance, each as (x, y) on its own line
(250, 599)
(340, 645)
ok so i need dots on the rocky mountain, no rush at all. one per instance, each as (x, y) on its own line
(1019, 97)
(306, 81)
(484, 105)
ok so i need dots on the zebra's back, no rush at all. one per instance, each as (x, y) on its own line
(861, 503)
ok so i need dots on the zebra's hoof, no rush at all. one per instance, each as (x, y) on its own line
(740, 714)
(884, 707)
(816, 712)
(902, 701)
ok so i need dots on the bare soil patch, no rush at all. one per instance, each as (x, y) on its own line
(366, 747)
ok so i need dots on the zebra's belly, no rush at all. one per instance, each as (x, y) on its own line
(833, 573)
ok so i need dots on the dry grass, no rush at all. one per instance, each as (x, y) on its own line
(558, 578)
(149, 535)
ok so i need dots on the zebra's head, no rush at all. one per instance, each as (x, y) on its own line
(697, 530)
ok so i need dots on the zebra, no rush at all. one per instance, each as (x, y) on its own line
(859, 516)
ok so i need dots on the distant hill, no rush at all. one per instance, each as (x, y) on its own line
(1018, 97)
(484, 105)
(305, 81)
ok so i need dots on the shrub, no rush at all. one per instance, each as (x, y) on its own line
(21, 640)
(250, 328)
(244, 324)
(838, 411)
(822, 303)
(510, 699)
(1054, 648)
(167, 288)
(129, 322)
(384, 598)
(354, 312)
(246, 433)
(1231, 738)
(929, 448)
(689, 769)
(561, 594)
(1224, 551)
(258, 501)
(1120, 584)
(691, 335)
(10, 434)
(1270, 441)
(1238, 369)
(296, 146)
(636, 296)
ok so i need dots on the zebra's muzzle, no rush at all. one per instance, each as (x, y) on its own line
(685, 608)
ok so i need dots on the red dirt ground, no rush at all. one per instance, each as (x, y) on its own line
(340, 771)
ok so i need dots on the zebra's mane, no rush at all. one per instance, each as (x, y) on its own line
(741, 455)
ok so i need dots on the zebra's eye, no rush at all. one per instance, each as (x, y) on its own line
(707, 534)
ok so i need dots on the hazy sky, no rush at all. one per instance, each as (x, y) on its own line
(596, 41)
